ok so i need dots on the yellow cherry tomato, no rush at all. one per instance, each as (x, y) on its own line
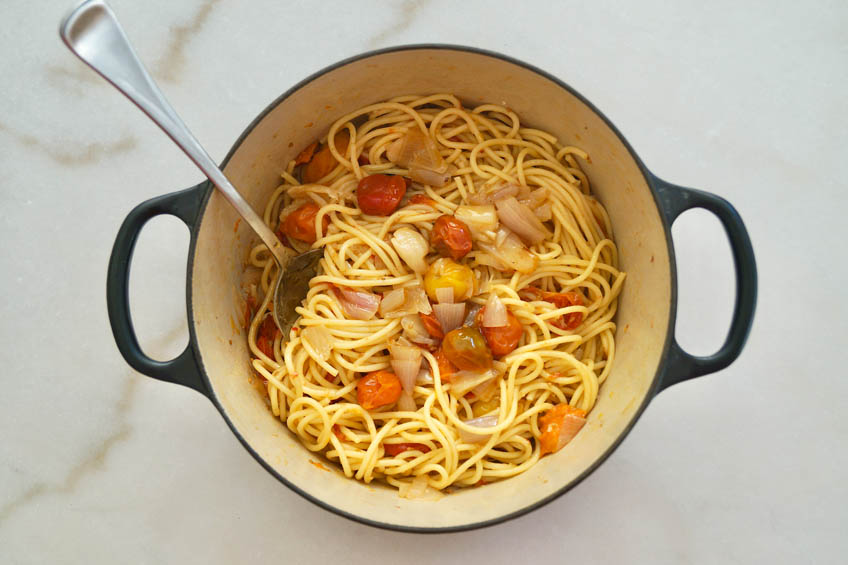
(447, 273)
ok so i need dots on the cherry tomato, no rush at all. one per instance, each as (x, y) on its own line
(432, 325)
(451, 237)
(323, 162)
(446, 368)
(266, 335)
(306, 155)
(552, 424)
(422, 199)
(378, 389)
(466, 348)
(562, 300)
(393, 449)
(502, 340)
(300, 224)
(380, 195)
(448, 273)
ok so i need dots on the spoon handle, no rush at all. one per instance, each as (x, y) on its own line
(93, 33)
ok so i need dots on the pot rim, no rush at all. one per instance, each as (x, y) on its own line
(651, 181)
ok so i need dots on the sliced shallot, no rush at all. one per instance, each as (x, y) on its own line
(494, 314)
(406, 362)
(319, 339)
(425, 377)
(417, 151)
(521, 220)
(412, 248)
(450, 316)
(487, 421)
(400, 302)
(406, 403)
(509, 253)
(419, 489)
(445, 295)
(358, 304)
(479, 219)
(463, 381)
(427, 176)
(415, 331)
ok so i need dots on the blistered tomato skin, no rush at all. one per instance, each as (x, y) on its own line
(300, 224)
(321, 163)
(466, 348)
(432, 325)
(376, 389)
(451, 237)
(505, 339)
(380, 195)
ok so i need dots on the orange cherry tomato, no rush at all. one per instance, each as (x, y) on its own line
(322, 163)
(422, 199)
(451, 237)
(446, 368)
(378, 389)
(306, 155)
(380, 195)
(432, 325)
(300, 224)
(504, 339)
(466, 348)
(553, 422)
(562, 300)
(393, 449)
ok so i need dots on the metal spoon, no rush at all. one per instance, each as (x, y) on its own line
(93, 33)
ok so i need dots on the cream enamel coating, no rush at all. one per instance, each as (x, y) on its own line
(474, 77)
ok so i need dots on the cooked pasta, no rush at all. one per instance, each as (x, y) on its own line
(514, 210)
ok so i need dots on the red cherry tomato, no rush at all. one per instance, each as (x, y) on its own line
(422, 199)
(562, 300)
(451, 237)
(432, 325)
(504, 339)
(266, 335)
(380, 195)
(378, 389)
(300, 224)
(393, 449)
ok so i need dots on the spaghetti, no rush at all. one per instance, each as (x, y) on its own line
(463, 430)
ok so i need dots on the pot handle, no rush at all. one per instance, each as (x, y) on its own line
(183, 369)
(682, 366)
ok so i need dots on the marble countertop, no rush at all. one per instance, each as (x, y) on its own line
(746, 100)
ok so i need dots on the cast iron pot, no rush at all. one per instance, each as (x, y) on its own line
(642, 208)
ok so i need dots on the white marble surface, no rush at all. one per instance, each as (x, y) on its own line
(747, 100)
